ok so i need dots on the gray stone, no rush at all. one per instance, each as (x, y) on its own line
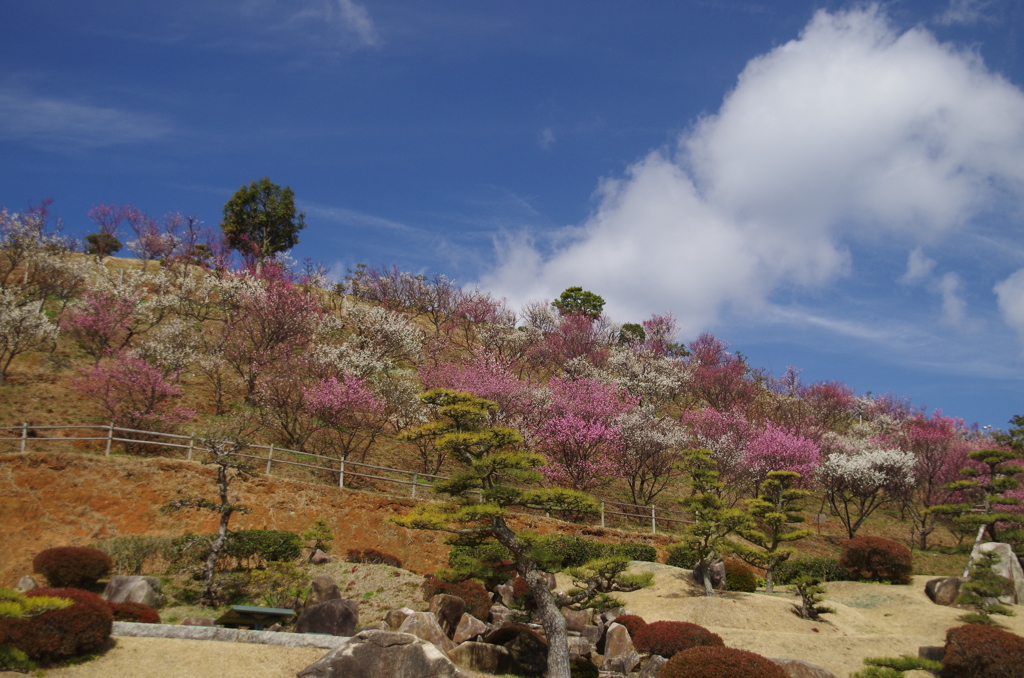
(500, 614)
(220, 634)
(448, 610)
(396, 617)
(384, 654)
(653, 665)
(617, 642)
(319, 558)
(580, 647)
(944, 590)
(933, 652)
(717, 574)
(1008, 567)
(26, 583)
(424, 625)
(801, 669)
(550, 579)
(592, 633)
(336, 617)
(612, 614)
(504, 592)
(321, 589)
(482, 657)
(576, 619)
(469, 628)
(198, 621)
(134, 589)
(276, 628)
(528, 648)
(623, 663)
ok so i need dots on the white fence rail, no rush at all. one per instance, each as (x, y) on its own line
(339, 470)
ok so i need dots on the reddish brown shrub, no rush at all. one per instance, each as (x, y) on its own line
(877, 559)
(739, 576)
(83, 627)
(632, 622)
(977, 651)
(666, 638)
(476, 597)
(720, 662)
(72, 566)
(372, 557)
(134, 612)
(522, 595)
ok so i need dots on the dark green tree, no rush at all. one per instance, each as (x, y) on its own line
(581, 301)
(102, 245)
(632, 334)
(260, 220)
(497, 472)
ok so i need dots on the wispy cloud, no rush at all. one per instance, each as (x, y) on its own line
(347, 217)
(56, 123)
(323, 23)
(963, 12)
(546, 138)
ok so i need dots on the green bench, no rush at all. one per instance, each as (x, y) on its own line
(254, 617)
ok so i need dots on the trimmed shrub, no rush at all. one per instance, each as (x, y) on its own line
(58, 634)
(131, 553)
(877, 559)
(720, 662)
(822, 569)
(632, 622)
(72, 566)
(560, 551)
(666, 638)
(476, 597)
(979, 651)
(634, 551)
(681, 555)
(372, 557)
(739, 576)
(259, 547)
(134, 612)
(522, 595)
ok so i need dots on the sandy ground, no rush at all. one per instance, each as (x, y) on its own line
(870, 620)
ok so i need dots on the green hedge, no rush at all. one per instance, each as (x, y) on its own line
(825, 569)
(249, 548)
(553, 553)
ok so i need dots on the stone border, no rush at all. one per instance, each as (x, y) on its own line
(136, 630)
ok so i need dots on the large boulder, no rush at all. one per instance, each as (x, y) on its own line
(469, 628)
(483, 658)
(134, 589)
(500, 614)
(448, 610)
(944, 590)
(801, 669)
(717, 574)
(1008, 567)
(575, 620)
(580, 647)
(424, 625)
(619, 654)
(527, 647)
(652, 666)
(338, 617)
(321, 590)
(396, 617)
(319, 558)
(384, 654)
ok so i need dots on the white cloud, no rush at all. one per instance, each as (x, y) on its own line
(954, 308)
(852, 130)
(57, 123)
(335, 23)
(1010, 294)
(963, 12)
(919, 267)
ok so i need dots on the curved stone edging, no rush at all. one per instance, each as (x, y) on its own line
(136, 630)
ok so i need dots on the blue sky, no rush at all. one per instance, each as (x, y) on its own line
(836, 186)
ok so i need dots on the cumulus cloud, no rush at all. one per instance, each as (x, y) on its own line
(919, 267)
(853, 129)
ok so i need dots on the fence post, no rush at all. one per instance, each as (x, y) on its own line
(270, 457)
(414, 478)
(602, 514)
(191, 446)
(110, 438)
(24, 434)
(341, 476)
(654, 521)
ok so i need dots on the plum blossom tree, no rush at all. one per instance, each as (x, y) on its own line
(773, 448)
(720, 378)
(832, 403)
(726, 435)
(485, 377)
(350, 410)
(102, 321)
(23, 328)
(651, 453)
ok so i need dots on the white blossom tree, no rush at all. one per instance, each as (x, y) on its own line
(23, 328)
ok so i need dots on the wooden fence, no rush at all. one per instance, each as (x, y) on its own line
(306, 466)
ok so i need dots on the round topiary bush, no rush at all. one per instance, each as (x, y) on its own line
(522, 595)
(681, 555)
(877, 559)
(739, 576)
(72, 566)
(666, 638)
(632, 622)
(134, 612)
(720, 662)
(977, 651)
(57, 634)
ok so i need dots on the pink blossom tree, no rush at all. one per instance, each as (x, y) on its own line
(720, 378)
(485, 377)
(726, 434)
(102, 322)
(350, 410)
(659, 334)
(832, 403)
(773, 448)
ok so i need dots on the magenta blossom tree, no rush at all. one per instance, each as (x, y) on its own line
(726, 433)
(720, 378)
(350, 410)
(486, 378)
(102, 322)
(773, 448)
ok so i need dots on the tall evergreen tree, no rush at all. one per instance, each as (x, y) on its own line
(260, 220)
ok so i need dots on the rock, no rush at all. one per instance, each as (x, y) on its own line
(134, 589)
(500, 614)
(620, 664)
(469, 628)
(448, 610)
(577, 619)
(384, 654)
(527, 647)
(617, 641)
(319, 558)
(424, 625)
(396, 617)
(801, 669)
(944, 590)
(26, 583)
(580, 647)
(933, 652)
(482, 657)
(321, 590)
(198, 621)
(717, 574)
(275, 628)
(1008, 567)
(336, 617)
(550, 579)
(592, 633)
(652, 666)
(611, 615)
(504, 592)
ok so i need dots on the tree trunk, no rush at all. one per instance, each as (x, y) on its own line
(709, 590)
(769, 581)
(555, 628)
